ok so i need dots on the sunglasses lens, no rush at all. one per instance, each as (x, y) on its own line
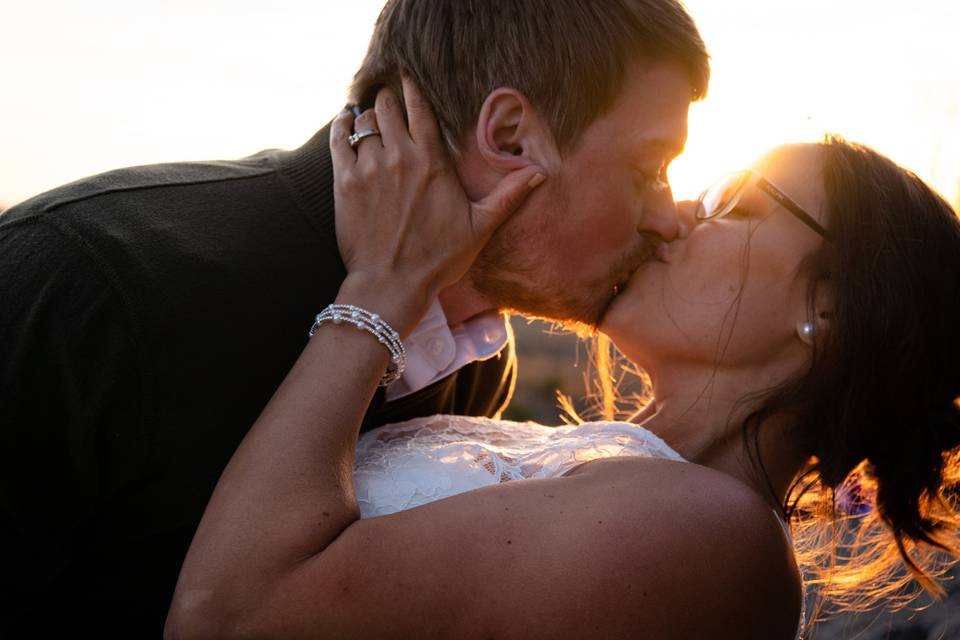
(723, 196)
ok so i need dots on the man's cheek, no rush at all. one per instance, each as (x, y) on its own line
(590, 255)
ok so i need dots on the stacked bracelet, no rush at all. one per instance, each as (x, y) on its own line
(372, 323)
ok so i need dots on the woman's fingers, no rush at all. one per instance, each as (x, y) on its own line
(340, 151)
(400, 203)
(423, 124)
(367, 126)
(390, 118)
(488, 214)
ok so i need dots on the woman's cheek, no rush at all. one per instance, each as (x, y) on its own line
(711, 269)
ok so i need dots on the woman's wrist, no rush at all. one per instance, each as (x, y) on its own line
(400, 305)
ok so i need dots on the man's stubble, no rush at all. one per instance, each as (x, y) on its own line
(514, 277)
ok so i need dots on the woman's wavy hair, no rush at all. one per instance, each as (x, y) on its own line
(874, 512)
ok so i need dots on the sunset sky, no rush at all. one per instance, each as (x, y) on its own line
(89, 86)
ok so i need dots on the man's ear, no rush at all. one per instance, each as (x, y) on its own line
(510, 132)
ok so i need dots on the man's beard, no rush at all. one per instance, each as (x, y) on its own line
(507, 275)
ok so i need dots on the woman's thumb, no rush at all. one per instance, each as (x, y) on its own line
(506, 198)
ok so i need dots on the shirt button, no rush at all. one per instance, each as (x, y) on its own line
(435, 346)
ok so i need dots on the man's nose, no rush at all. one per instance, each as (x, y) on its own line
(660, 216)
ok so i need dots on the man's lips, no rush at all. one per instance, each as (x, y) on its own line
(658, 254)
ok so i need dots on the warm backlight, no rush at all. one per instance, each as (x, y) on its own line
(88, 86)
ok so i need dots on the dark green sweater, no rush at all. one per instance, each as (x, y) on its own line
(146, 317)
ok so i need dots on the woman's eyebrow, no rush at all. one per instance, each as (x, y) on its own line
(755, 200)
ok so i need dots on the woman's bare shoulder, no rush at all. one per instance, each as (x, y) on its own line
(621, 549)
(706, 544)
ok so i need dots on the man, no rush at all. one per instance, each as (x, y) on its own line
(149, 313)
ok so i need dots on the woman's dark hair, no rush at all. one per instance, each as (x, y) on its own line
(878, 411)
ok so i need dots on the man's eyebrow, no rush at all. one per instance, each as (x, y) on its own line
(668, 147)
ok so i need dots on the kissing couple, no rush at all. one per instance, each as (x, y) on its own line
(182, 456)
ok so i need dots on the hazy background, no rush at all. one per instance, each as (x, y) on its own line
(88, 86)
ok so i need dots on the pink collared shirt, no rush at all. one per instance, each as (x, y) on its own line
(435, 349)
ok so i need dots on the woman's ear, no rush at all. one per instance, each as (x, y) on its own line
(813, 329)
(510, 132)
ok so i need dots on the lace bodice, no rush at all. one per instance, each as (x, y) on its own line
(405, 465)
(412, 463)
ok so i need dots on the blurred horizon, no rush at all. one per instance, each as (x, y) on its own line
(103, 84)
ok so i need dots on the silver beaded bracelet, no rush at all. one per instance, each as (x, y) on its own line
(372, 323)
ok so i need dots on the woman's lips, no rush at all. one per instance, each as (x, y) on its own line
(659, 255)
(661, 252)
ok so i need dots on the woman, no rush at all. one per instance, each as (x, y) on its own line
(807, 304)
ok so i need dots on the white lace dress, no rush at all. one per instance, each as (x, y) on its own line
(405, 465)
(412, 463)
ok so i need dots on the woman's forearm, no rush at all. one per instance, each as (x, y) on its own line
(287, 492)
(405, 230)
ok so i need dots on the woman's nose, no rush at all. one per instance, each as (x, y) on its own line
(686, 217)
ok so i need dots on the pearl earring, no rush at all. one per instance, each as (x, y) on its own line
(808, 330)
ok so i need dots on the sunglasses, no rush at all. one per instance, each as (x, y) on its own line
(724, 196)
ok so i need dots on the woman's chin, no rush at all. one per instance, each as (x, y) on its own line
(628, 328)
(611, 325)
(627, 343)
(621, 315)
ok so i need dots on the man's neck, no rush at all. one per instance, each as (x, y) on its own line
(460, 302)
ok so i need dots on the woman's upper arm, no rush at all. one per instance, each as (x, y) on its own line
(624, 550)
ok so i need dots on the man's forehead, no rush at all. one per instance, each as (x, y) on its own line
(649, 117)
(662, 134)
(654, 108)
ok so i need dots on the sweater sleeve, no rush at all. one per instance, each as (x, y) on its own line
(70, 408)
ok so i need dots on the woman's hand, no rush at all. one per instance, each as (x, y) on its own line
(403, 219)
